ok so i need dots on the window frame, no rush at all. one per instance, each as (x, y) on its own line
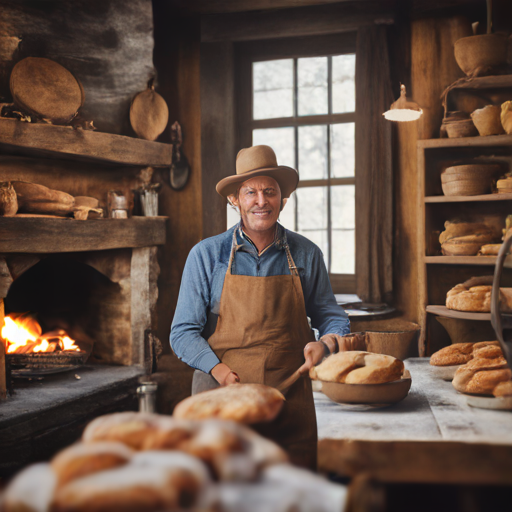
(273, 49)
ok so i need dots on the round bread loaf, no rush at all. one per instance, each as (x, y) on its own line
(461, 353)
(243, 403)
(503, 389)
(481, 375)
(82, 459)
(465, 297)
(358, 367)
(130, 428)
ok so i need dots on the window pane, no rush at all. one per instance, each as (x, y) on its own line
(313, 152)
(343, 252)
(272, 89)
(233, 216)
(281, 140)
(287, 216)
(343, 208)
(342, 150)
(343, 83)
(312, 78)
(312, 208)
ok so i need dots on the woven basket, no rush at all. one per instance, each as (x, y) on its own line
(466, 188)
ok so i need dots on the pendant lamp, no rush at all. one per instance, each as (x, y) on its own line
(403, 109)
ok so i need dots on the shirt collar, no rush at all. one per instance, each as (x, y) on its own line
(243, 239)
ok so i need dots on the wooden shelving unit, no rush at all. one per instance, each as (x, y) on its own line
(48, 141)
(438, 273)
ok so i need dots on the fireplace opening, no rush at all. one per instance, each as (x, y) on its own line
(70, 299)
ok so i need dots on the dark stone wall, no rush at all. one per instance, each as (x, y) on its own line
(106, 44)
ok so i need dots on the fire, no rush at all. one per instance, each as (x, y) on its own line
(24, 334)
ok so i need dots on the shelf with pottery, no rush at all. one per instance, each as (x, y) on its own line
(466, 260)
(460, 142)
(468, 199)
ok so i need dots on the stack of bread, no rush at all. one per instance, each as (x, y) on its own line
(147, 462)
(465, 238)
(486, 373)
(475, 295)
(358, 367)
(494, 249)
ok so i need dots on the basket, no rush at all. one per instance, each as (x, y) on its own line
(466, 188)
(460, 128)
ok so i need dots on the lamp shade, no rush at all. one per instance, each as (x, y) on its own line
(403, 109)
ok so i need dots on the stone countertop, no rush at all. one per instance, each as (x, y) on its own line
(433, 411)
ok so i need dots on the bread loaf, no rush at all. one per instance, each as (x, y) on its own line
(469, 297)
(358, 367)
(481, 376)
(34, 198)
(244, 403)
(461, 353)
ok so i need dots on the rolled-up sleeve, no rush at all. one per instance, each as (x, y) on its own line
(321, 306)
(191, 312)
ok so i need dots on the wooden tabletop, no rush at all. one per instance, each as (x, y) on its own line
(431, 436)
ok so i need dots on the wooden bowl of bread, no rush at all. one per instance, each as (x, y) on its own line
(475, 295)
(358, 377)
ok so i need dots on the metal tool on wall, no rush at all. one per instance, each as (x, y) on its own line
(180, 169)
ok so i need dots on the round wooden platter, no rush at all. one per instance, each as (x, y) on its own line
(502, 403)
(374, 394)
(444, 372)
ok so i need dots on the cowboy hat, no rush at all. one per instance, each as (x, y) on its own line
(259, 161)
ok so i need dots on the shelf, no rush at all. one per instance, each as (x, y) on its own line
(48, 141)
(466, 260)
(461, 315)
(51, 235)
(483, 82)
(460, 142)
(468, 199)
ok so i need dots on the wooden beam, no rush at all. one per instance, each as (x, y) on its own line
(44, 140)
(418, 461)
(44, 235)
(302, 21)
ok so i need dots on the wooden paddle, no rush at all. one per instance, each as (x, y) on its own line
(287, 383)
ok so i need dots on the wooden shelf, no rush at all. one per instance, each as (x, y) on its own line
(48, 141)
(483, 82)
(467, 199)
(52, 235)
(461, 315)
(466, 260)
(491, 140)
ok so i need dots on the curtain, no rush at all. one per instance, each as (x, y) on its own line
(374, 167)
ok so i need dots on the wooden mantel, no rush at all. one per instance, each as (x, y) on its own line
(45, 140)
(52, 235)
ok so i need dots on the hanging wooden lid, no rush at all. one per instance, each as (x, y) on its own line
(47, 89)
(149, 114)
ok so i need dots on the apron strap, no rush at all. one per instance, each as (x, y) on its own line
(291, 264)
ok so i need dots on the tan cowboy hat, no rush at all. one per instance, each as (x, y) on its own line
(259, 161)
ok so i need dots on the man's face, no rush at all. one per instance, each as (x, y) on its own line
(259, 202)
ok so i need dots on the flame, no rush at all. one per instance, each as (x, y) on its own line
(24, 334)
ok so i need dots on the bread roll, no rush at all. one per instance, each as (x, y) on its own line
(503, 389)
(461, 353)
(31, 490)
(130, 428)
(357, 367)
(82, 459)
(464, 297)
(244, 403)
(133, 488)
(468, 379)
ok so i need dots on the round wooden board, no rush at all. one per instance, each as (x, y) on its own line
(47, 89)
(388, 393)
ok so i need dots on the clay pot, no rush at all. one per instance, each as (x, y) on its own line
(460, 128)
(506, 116)
(487, 120)
(483, 55)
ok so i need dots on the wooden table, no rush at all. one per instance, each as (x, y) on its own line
(432, 436)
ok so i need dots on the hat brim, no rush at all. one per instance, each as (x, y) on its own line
(286, 177)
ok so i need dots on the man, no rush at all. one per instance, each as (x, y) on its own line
(245, 299)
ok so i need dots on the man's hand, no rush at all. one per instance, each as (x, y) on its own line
(313, 353)
(223, 374)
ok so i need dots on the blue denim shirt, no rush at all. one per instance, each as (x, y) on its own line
(203, 280)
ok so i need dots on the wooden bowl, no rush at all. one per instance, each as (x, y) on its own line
(388, 393)
(460, 128)
(466, 188)
(471, 170)
(482, 55)
(487, 120)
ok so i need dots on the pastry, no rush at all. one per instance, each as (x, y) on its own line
(461, 353)
(81, 459)
(473, 295)
(357, 367)
(503, 389)
(481, 376)
(244, 403)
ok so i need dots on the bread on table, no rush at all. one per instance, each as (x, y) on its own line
(474, 295)
(81, 459)
(358, 367)
(243, 403)
(481, 375)
(503, 389)
(461, 353)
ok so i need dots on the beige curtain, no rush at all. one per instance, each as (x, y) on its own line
(374, 168)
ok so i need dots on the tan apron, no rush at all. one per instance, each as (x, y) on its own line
(260, 334)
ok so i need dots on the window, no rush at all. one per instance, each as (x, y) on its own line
(304, 108)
